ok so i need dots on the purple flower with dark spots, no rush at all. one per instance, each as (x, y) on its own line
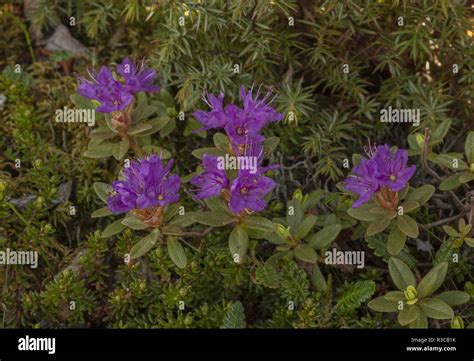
(363, 181)
(109, 92)
(138, 77)
(212, 181)
(147, 183)
(248, 190)
(216, 117)
(392, 170)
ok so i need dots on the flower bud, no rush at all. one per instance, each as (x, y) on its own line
(39, 202)
(282, 231)
(298, 195)
(420, 139)
(457, 322)
(471, 167)
(411, 295)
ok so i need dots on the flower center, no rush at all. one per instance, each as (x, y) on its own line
(240, 131)
(244, 190)
(160, 197)
(393, 178)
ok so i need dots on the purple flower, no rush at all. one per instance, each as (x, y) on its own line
(109, 92)
(383, 169)
(257, 109)
(147, 183)
(212, 181)
(239, 123)
(216, 117)
(242, 128)
(138, 78)
(247, 190)
(392, 170)
(363, 181)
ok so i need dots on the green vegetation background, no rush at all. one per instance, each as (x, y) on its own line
(335, 115)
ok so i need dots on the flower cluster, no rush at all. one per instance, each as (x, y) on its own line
(384, 170)
(243, 128)
(242, 125)
(112, 94)
(147, 183)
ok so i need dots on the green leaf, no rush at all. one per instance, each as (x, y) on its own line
(258, 223)
(354, 295)
(447, 160)
(305, 253)
(420, 322)
(221, 142)
(235, 317)
(81, 102)
(437, 309)
(103, 150)
(267, 275)
(238, 243)
(378, 225)
(380, 304)
(171, 230)
(408, 226)
(274, 238)
(408, 315)
(325, 236)
(212, 218)
(120, 149)
(469, 241)
(433, 280)
(102, 134)
(270, 144)
(199, 153)
(112, 229)
(466, 177)
(134, 223)
(294, 214)
(362, 213)
(102, 190)
(409, 206)
(450, 183)
(144, 245)
(454, 298)
(294, 282)
(401, 274)
(395, 296)
(156, 125)
(440, 132)
(217, 204)
(396, 241)
(138, 128)
(469, 147)
(318, 280)
(176, 252)
(305, 226)
(101, 212)
(450, 231)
